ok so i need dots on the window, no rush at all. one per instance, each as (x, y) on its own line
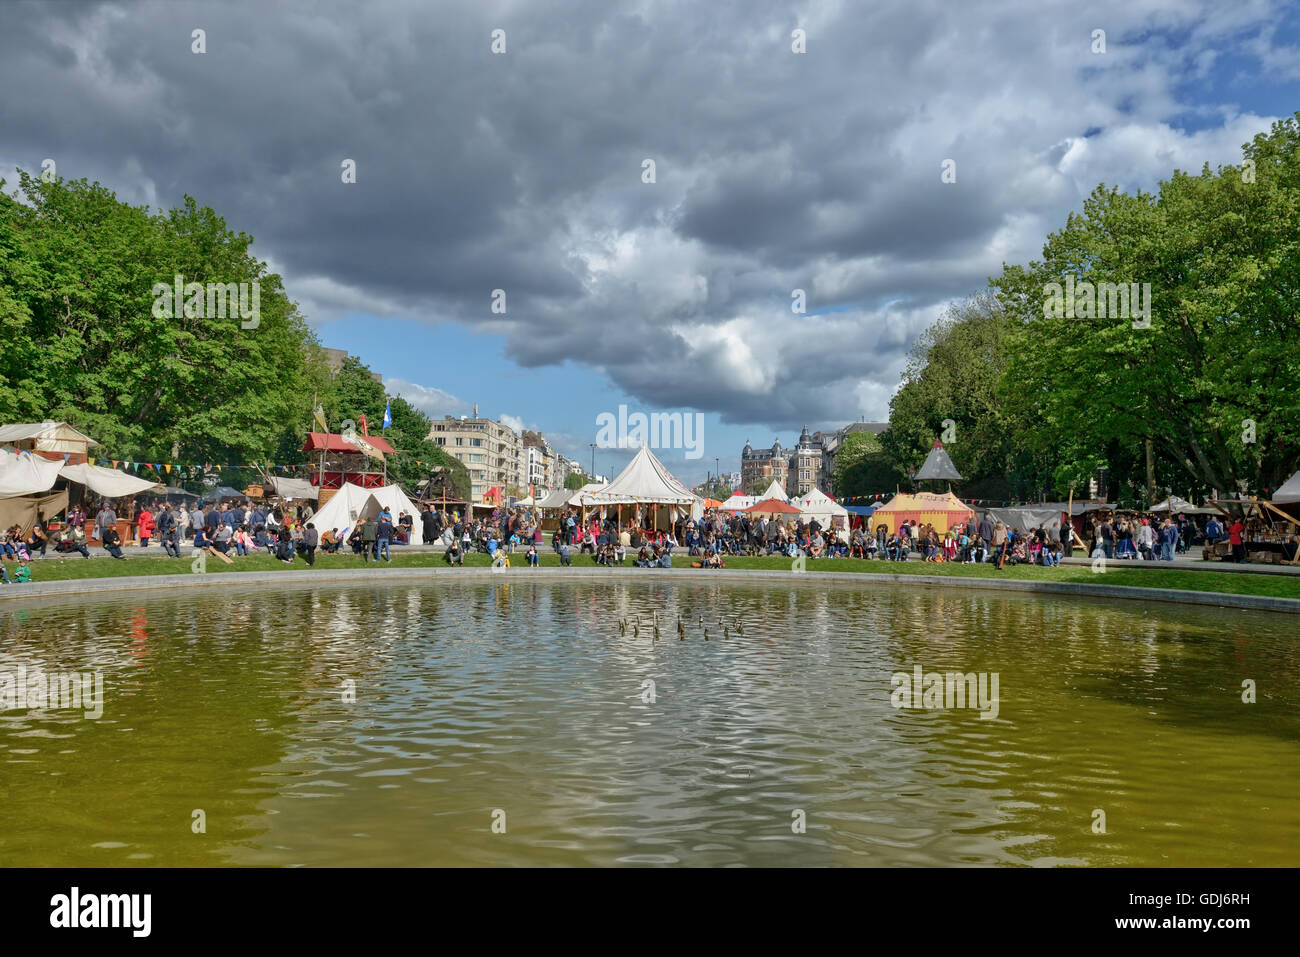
(476, 443)
(441, 440)
(460, 441)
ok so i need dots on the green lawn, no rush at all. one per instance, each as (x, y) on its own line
(154, 563)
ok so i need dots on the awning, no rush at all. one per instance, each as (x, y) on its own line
(294, 488)
(22, 473)
(108, 483)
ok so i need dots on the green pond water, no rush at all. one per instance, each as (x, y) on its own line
(523, 705)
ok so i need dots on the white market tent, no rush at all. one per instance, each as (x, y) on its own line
(817, 504)
(1173, 504)
(575, 499)
(645, 481)
(1289, 492)
(352, 503)
(22, 473)
(738, 503)
(556, 499)
(773, 491)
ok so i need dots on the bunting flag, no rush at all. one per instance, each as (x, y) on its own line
(318, 414)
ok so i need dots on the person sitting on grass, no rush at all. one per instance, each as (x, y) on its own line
(23, 573)
(329, 541)
(284, 544)
(532, 555)
(222, 537)
(112, 542)
(454, 555)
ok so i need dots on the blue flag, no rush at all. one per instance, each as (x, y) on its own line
(388, 414)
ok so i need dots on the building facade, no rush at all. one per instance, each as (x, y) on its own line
(807, 466)
(493, 453)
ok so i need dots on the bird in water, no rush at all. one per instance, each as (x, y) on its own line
(726, 632)
(706, 634)
(740, 627)
(701, 621)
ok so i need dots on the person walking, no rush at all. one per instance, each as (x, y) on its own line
(105, 519)
(369, 539)
(144, 523)
(310, 540)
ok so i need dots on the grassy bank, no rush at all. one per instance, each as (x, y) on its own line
(154, 563)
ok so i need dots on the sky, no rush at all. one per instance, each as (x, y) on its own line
(525, 171)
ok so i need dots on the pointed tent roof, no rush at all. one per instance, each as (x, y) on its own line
(772, 506)
(1290, 490)
(775, 491)
(938, 466)
(645, 480)
(557, 498)
(1173, 504)
(818, 504)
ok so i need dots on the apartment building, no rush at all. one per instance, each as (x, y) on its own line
(493, 453)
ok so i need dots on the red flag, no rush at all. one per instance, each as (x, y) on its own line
(365, 427)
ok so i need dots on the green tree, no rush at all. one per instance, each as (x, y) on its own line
(88, 341)
(862, 467)
(576, 480)
(1222, 258)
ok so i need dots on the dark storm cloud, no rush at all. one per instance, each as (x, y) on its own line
(775, 171)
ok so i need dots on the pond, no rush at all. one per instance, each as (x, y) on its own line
(522, 724)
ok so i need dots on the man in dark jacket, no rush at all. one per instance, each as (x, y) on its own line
(369, 539)
(310, 539)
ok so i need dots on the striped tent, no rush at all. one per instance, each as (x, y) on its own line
(942, 511)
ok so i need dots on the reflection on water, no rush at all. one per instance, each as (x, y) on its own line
(525, 699)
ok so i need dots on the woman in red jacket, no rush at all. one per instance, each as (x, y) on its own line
(144, 523)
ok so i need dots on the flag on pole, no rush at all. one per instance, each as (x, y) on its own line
(365, 426)
(319, 414)
(388, 414)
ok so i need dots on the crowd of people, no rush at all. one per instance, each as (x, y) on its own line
(289, 533)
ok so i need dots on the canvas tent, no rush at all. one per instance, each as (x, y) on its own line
(817, 504)
(644, 481)
(738, 503)
(942, 511)
(107, 483)
(1026, 519)
(22, 473)
(772, 506)
(222, 492)
(352, 504)
(575, 498)
(22, 510)
(1289, 492)
(773, 491)
(556, 499)
(291, 488)
(1173, 504)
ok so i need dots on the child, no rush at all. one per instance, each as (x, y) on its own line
(532, 555)
(24, 573)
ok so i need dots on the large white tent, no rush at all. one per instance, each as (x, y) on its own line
(817, 504)
(352, 504)
(645, 481)
(1173, 504)
(558, 498)
(773, 491)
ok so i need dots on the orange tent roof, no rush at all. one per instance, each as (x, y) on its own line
(773, 506)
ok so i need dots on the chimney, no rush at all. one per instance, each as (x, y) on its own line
(476, 410)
